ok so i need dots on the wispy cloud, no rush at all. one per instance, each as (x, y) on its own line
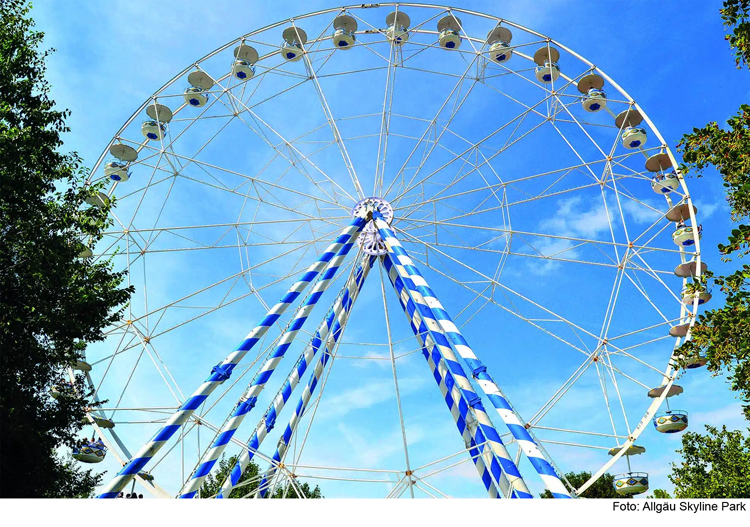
(368, 395)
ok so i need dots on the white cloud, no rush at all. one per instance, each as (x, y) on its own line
(367, 396)
(645, 211)
(730, 415)
(706, 210)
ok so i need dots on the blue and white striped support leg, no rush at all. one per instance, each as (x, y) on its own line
(222, 371)
(409, 272)
(474, 418)
(250, 397)
(330, 346)
(350, 291)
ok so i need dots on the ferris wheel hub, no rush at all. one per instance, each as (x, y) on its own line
(370, 240)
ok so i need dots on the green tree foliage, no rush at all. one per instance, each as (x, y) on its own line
(604, 487)
(736, 14)
(660, 494)
(52, 303)
(723, 335)
(213, 482)
(714, 465)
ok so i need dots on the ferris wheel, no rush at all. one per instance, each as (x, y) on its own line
(483, 220)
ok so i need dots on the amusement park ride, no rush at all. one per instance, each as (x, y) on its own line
(434, 229)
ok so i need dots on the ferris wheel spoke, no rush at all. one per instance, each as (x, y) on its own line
(248, 399)
(605, 395)
(302, 156)
(564, 388)
(457, 104)
(293, 150)
(385, 124)
(457, 391)
(175, 304)
(332, 123)
(477, 145)
(511, 310)
(395, 380)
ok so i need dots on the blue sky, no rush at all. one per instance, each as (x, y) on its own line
(671, 58)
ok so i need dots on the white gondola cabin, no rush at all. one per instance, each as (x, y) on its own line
(344, 32)
(499, 41)
(153, 130)
(245, 58)
(448, 32)
(665, 183)
(398, 27)
(116, 171)
(631, 483)
(634, 137)
(671, 422)
(294, 39)
(684, 236)
(547, 69)
(200, 82)
(594, 97)
(195, 96)
(92, 452)
(688, 297)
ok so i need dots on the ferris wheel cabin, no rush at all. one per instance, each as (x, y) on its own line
(344, 32)
(499, 42)
(398, 24)
(294, 39)
(448, 32)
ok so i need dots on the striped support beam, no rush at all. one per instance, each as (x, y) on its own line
(222, 371)
(420, 289)
(350, 291)
(330, 346)
(250, 397)
(465, 405)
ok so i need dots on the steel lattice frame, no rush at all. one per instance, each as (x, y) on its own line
(291, 187)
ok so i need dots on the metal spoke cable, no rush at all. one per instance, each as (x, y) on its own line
(269, 419)
(350, 295)
(250, 398)
(463, 413)
(409, 273)
(222, 371)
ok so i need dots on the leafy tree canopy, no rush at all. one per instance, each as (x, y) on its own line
(249, 482)
(52, 303)
(723, 335)
(736, 15)
(714, 465)
(604, 487)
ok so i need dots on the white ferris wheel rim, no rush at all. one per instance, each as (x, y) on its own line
(669, 374)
